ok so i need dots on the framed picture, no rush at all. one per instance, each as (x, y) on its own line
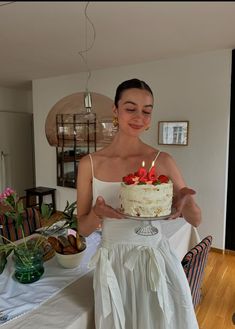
(173, 132)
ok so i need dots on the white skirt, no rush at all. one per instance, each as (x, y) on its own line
(139, 282)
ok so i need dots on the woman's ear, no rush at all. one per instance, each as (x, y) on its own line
(114, 109)
(115, 117)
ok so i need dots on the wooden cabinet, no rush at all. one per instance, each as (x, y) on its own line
(77, 136)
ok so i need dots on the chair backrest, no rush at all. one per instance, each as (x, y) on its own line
(194, 263)
(30, 223)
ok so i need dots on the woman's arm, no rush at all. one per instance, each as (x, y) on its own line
(88, 220)
(90, 217)
(183, 200)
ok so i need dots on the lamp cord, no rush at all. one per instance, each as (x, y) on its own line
(83, 53)
(7, 3)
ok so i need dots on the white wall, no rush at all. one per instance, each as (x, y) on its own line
(16, 100)
(194, 88)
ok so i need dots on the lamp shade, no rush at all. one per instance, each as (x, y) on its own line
(74, 104)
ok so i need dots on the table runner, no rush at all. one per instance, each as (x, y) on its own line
(17, 298)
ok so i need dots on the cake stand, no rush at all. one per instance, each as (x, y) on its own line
(145, 227)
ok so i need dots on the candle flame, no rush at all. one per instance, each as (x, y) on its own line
(143, 163)
(152, 166)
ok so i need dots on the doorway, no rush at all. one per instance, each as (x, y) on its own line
(230, 216)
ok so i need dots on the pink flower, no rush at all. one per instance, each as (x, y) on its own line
(7, 193)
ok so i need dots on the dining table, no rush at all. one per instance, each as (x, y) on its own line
(64, 298)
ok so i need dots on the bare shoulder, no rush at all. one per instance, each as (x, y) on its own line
(84, 167)
(100, 155)
(85, 161)
(169, 167)
(167, 164)
(166, 158)
(92, 159)
(93, 156)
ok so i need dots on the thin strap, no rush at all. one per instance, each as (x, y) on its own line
(156, 156)
(92, 168)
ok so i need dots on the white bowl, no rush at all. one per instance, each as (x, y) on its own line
(71, 260)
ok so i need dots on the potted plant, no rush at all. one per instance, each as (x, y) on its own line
(28, 255)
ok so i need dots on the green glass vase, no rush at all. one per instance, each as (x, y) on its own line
(3, 261)
(28, 264)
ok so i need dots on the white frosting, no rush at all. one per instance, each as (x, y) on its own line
(146, 200)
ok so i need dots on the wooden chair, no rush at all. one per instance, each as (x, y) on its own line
(194, 263)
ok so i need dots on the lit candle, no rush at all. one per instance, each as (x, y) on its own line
(153, 163)
(152, 172)
(142, 172)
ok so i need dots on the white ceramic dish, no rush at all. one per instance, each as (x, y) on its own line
(71, 260)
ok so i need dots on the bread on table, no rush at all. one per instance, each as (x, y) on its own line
(67, 245)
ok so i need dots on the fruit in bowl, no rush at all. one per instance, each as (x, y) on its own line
(69, 250)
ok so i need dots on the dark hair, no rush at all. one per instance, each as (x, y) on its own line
(129, 84)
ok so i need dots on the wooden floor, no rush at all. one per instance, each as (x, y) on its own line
(217, 307)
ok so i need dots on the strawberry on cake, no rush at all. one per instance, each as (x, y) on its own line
(144, 194)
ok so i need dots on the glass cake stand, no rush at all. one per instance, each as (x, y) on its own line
(145, 227)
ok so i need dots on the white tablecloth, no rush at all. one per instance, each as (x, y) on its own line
(64, 298)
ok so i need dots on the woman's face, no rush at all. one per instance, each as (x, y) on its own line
(134, 111)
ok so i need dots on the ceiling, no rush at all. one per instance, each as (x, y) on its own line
(43, 39)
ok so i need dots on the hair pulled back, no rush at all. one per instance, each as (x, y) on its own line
(129, 84)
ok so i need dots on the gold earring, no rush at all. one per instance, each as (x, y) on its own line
(115, 122)
(147, 128)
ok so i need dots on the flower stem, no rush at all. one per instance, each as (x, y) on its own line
(23, 235)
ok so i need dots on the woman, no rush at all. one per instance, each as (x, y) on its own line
(138, 281)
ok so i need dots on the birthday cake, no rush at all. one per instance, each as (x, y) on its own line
(144, 194)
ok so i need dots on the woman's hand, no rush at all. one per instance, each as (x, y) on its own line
(101, 209)
(91, 221)
(185, 206)
(182, 199)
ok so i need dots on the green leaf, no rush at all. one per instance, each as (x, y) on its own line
(19, 220)
(46, 210)
(20, 206)
(157, 182)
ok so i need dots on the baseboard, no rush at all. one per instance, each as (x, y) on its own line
(230, 252)
(223, 251)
